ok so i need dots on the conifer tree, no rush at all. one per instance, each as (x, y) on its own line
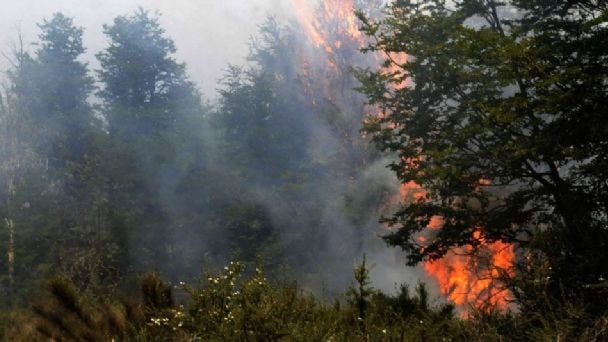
(153, 111)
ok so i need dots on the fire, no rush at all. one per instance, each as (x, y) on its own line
(339, 11)
(331, 29)
(466, 280)
(339, 14)
(397, 59)
(309, 23)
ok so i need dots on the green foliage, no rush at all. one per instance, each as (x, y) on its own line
(51, 91)
(251, 235)
(228, 305)
(236, 304)
(264, 124)
(279, 173)
(500, 123)
(155, 118)
(50, 194)
(359, 294)
(151, 179)
(139, 71)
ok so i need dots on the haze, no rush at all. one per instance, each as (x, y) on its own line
(208, 34)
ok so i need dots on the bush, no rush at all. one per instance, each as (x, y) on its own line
(239, 304)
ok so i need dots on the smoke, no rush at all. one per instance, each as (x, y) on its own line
(324, 230)
(351, 186)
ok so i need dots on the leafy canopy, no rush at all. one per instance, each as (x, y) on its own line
(502, 122)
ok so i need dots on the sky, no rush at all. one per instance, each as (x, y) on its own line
(209, 34)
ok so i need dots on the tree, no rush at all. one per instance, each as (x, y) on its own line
(63, 85)
(52, 203)
(144, 85)
(292, 146)
(265, 127)
(503, 124)
(360, 292)
(153, 112)
(83, 243)
(288, 126)
(52, 89)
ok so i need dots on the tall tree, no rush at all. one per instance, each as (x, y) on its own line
(63, 86)
(504, 125)
(52, 89)
(153, 111)
(143, 84)
(265, 126)
(51, 199)
(289, 135)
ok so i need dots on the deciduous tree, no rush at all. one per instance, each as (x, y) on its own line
(504, 124)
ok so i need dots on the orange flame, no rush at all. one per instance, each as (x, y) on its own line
(341, 17)
(466, 279)
(463, 279)
(332, 30)
(397, 60)
(308, 22)
(474, 280)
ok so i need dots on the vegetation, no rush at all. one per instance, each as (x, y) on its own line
(107, 174)
(241, 304)
(496, 112)
(502, 126)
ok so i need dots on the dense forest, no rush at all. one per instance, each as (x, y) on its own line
(469, 134)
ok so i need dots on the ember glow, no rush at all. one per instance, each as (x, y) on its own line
(474, 280)
(332, 28)
(340, 12)
(464, 279)
(467, 277)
